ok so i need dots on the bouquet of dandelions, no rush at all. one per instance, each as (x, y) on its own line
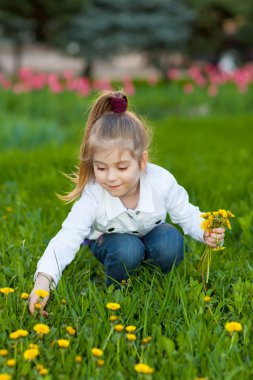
(212, 220)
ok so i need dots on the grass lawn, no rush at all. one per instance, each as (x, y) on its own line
(206, 142)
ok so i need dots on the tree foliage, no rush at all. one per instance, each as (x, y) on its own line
(108, 27)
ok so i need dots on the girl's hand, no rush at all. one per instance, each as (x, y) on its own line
(215, 237)
(41, 283)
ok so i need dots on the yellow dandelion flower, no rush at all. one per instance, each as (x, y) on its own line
(113, 318)
(201, 378)
(7, 290)
(130, 329)
(24, 296)
(113, 306)
(38, 306)
(78, 359)
(146, 340)
(100, 362)
(11, 362)
(3, 352)
(9, 209)
(41, 329)
(5, 376)
(41, 293)
(131, 337)
(70, 330)
(233, 326)
(218, 249)
(22, 333)
(14, 335)
(31, 353)
(119, 328)
(43, 372)
(33, 345)
(230, 214)
(143, 368)
(64, 343)
(39, 367)
(97, 351)
(207, 298)
(63, 301)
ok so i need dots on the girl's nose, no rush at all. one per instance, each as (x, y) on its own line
(111, 175)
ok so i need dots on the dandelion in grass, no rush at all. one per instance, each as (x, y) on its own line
(7, 291)
(3, 352)
(14, 335)
(119, 328)
(63, 302)
(33, 345)
(70, 330)
(212, 220)
(131, 337)
(233, 326)
(24, 296)
(113, 318)
(22, 333)
(18, 334)
(97, 352)
(43, 372)
(78, 359)
(38, 306)
(31, 353)
(41, 293)
(113, 306)
(41, 329)
(146, 340)
(131, 329)
(11, 362)
(5, 376)
(100, 362)
(63, 343)
(143, 368)
(207, 299)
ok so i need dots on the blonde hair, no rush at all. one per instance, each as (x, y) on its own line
(104, 126)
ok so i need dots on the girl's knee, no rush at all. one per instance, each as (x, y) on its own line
(167, 248)
(128, 251)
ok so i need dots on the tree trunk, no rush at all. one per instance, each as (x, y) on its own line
(17, 57)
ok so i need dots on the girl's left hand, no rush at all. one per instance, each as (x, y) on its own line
(215, 237)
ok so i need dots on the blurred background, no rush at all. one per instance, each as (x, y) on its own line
(108, 38)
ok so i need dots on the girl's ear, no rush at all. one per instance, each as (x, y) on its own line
(144, 160)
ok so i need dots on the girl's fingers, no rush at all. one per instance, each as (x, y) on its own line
(219, 230)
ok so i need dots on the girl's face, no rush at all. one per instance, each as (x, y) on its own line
(118, 172)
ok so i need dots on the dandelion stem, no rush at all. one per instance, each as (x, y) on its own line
(136, 351)
(107, 339)
(213, 315)
(231, 343)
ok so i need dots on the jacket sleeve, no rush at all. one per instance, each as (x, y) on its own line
(182, 212)
(62, 249)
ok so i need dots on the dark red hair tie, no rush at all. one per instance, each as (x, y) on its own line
(119, 105)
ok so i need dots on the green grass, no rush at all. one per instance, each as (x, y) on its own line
(207, 144)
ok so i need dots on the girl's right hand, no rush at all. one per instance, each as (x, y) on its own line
(42, 283)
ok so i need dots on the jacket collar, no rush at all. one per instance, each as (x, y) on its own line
(114, 206)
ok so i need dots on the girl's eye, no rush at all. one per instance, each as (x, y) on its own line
(101, 169)
(123, 168)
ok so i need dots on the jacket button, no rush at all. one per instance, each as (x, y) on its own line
(137, 212)
(135, 232)
(157, 222)
(111, 229)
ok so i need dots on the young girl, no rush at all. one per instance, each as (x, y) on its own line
(122, 203)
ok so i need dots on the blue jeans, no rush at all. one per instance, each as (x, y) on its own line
(121, 254)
